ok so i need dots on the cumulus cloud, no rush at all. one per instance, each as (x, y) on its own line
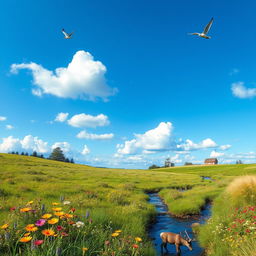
(65, 146)
(2, 118)
(225, 147)
(84, 120)
(240, 91)
(28, 143)
(189, 145)
(83, 78)
(216, 154)
(157, 139)
(34, 143)
(85, 150)
(92, 136)
(61, 117)
(9, 127)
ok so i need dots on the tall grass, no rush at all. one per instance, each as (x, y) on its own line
(232, 228)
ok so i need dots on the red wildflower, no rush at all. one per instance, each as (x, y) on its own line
(59, 228)
(38, 242)
(135, 246)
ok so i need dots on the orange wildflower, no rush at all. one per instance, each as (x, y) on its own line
(59, 213)
(26, 209)
(26, 239)
(5, 226)
(48, 232)
(31, 227)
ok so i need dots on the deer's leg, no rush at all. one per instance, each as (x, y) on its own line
(177, 249)
(163, 244)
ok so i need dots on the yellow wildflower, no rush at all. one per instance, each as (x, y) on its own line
(26, 209)
(48, 232)
(5, 226)
(26, 239)
(59, 213)
(47, 216)
(138, 239)
(30, 202)
(57, 209)
(53, 221)
(31, 227)
(118, 231)
(115, 234)
(54, 204)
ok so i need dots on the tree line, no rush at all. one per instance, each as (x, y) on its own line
(56, 154)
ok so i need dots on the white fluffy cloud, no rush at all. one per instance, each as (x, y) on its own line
(84, 120)
(34, 143)
(225, 147)
(157, 139)
(85, 150)
(65, 146)
(240, 91)
(9, 127)
(92, 136)
(216, 154)
(2, 118)
(61, 117)
(28, 143)
(189, 145)
(83, 78)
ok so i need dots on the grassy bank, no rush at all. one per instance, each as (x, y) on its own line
(114, 198)
(232, 228)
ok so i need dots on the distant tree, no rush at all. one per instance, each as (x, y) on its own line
(239, 162)
(57, 154)
(34, 154)
(188, 163)
(22, 153)
(72, 161)
(67, 160)
(13, 152)
(16, 152)
(153, 166)
(168, 163)
(26, 154)
(41, 156)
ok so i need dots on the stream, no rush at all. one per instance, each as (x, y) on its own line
(166, 223)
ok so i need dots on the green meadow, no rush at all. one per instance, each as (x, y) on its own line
(105, 200)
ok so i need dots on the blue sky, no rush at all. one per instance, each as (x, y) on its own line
(140, 87)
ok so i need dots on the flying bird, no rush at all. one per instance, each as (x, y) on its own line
(66, 35)
(206, 30)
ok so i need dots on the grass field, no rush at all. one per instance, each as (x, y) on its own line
(114, 199)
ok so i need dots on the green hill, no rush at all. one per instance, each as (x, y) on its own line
(115, 198)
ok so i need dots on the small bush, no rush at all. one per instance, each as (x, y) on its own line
(118, 197)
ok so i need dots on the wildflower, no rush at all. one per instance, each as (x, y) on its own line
(57, 209)
(30, 202)
(87, 214)
(48, 232)
(54, 204)
(138, 239)
(135, 246)
(47, 216)
(71, 222)
(84, 249)
(38, 242)
(40, 222)
(79, 224)
(53, 221)
(59, 228)
(72, 210)
(115, 234)
(27, 234)
(67, 215)
(26, 239)
(5, 226)
(64, 234)
(59, 213)
(31, 227)
(26, 209)
(118, 231)
(66, 202)
(12, 209)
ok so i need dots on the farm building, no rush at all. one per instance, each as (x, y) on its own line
(211, 161)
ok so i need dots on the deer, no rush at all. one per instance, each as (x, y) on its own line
(177, 239)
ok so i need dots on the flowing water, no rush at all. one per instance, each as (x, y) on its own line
(166, 223)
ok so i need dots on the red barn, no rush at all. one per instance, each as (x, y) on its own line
(211, 161)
